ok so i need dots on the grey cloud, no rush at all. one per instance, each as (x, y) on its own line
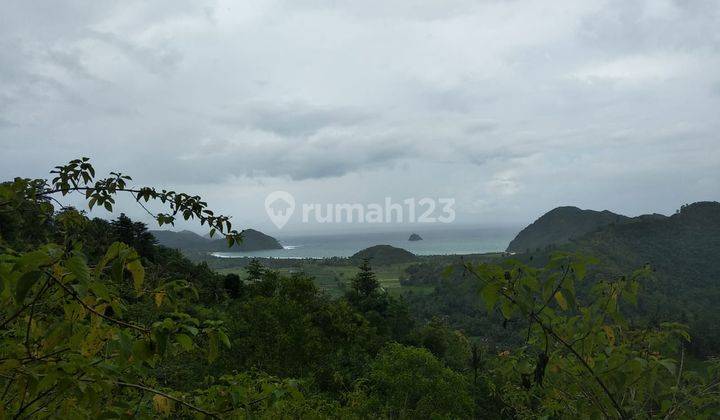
(715, 90)
(327, 153)
(402, 95)
(295, 119)
(160, 61)
(627, 26)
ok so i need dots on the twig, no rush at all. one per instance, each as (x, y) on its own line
(155, 391)
(534, 316)
(556, 289)
(34, 400)
(7, 387)
(677, 382)
(32, 312)
(45, 356)
(101, 315)
(15, 315)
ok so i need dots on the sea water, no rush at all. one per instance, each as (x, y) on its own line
(435, 242)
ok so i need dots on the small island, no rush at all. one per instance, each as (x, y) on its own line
(415, 237)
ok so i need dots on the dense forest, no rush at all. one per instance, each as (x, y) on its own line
(99, 321)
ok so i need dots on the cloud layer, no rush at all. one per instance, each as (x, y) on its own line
(512, 107)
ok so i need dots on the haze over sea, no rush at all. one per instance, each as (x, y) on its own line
(435, 241)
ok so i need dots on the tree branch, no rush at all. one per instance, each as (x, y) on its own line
(32, 313)
(534, 316)
(74, 295)
(168, 396)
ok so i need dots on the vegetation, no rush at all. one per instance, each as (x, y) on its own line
(384, 255)
(191, 242)
(681, 250)
(559, 226)
(97, 320)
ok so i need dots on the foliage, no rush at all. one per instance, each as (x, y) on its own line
(67, 340)
(365, 283)
(409, 382)
(97, 320)
(383, 255)
(448, 345)
(255, 270)
(581, 357)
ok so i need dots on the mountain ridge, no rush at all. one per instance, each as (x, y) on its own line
(560, 225)
(185, 240)
(683, 254)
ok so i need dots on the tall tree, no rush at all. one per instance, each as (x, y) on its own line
(365, 282)
(255, 269)
(233, 285)
(134, 234)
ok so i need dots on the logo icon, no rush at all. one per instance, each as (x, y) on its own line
(279, 206)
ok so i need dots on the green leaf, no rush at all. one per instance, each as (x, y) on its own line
(665, 405)
(610, 334)
(185, 341)
(490, 294)
(631, 291)
(143, 350)
(78, 268)
(568, 288)
(561, 300)
(192, 330)
(161, 338)
(37, 258)
(25, 282)
(125, 341)
(213, 350)
(579, 269)
(112, 253)
(669, 364)
(224, 338)
(507, 308)
(138, 273)
(116, 273)
(100, 291)
(548, 287)
(531, 283)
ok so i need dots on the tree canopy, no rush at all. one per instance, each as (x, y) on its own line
(97, 320)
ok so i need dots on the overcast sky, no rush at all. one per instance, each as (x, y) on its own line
(510, 107)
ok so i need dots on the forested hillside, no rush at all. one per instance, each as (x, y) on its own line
(383, 254)
(191, 242)
(683, 252)
(559, 226)
(98, 321)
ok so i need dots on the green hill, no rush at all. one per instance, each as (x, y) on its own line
(682, 250)
(559, 226)
(183, 239)
(186, 240)
(384, 255)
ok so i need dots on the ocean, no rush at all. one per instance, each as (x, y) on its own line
(456, 241)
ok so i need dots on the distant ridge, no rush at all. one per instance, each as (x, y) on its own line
(682, 250)
(186, 240)
(560, 225)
